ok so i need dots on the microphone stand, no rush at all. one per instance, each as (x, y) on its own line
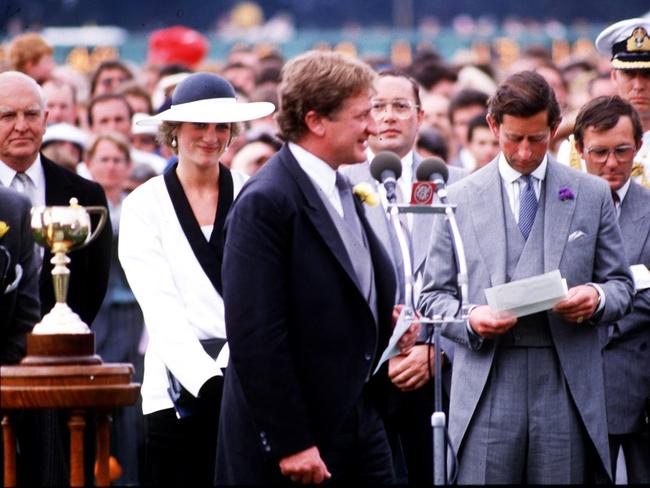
(438, 418)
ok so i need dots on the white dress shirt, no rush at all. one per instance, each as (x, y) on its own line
(321, 174)
(34, 172)
(514, 184)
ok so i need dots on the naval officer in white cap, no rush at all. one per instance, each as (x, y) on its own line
(628, 43)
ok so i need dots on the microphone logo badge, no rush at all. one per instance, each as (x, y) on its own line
(422, 193)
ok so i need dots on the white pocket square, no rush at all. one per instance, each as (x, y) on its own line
(575, 236)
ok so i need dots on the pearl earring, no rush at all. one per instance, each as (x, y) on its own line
(174, 143)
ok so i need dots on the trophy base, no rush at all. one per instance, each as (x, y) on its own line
(61, 320)
(60, 349)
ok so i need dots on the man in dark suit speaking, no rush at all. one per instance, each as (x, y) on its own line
(308, 292)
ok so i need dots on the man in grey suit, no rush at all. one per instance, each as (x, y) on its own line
(608, 134)
(527, 398)
(396, 109)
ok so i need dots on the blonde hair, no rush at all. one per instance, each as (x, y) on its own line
(26, 48)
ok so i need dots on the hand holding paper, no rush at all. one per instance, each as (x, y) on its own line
(488, 324)
(579, 305)
(406, 325)
(529, 295)
(408, 338)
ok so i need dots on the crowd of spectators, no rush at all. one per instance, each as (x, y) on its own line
(93, 129)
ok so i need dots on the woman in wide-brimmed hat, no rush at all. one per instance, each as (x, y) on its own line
(171, 244)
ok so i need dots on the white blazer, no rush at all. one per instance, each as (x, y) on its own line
(179, 303)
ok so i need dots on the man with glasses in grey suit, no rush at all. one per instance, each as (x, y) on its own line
(397, 111)
(527, 398)
(608, 134)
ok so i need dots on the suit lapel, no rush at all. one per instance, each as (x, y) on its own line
(57, 185)
(633, 212)
(489, 225)
(376, 215)
(318, 214)
(558, 213)
(208, 254)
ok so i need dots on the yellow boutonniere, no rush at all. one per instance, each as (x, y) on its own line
(4, 228)
(366, 195)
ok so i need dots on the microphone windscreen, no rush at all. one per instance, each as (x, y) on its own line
(385, 160)
(431, 166)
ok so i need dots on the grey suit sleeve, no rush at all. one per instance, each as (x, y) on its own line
(639, 318)
(611, 269)
(439, 294)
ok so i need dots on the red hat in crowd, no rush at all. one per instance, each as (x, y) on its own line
(177, 44)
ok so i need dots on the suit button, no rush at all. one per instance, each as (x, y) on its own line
(267, 448)
(367, 357)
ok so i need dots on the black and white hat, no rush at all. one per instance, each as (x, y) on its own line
(627, 42)
(208, 98)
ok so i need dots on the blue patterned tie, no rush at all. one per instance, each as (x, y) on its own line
(527, 206)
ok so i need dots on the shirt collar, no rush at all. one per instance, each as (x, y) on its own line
(317, 169)
(510, 175)
(622, 191)
(35, 173)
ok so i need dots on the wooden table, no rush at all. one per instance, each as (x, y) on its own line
(76, 388)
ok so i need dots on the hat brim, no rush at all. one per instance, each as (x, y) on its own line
(212, 111)
(620, 64)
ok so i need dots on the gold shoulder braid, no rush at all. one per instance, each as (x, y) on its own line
(574, 155)
(638, 170)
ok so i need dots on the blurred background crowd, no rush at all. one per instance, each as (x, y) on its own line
(103, 65)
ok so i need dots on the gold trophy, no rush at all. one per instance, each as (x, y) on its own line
(61, 333)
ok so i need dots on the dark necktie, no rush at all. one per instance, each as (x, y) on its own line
(617, 202)
(527, 206)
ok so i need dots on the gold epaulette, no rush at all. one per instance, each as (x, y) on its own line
(639, 170)
(574, 156)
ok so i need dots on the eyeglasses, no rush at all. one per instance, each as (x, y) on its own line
(401, 108)
(623, 153)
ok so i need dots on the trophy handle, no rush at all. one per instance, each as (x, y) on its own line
(103, 215)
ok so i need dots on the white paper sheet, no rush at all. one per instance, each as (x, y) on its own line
(641, 276)
(528, 296)
(403, 322)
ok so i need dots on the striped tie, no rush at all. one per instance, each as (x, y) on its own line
(24, 184)
(527, 206)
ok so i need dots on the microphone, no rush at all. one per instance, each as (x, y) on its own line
(436, 171)
(386, 168)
